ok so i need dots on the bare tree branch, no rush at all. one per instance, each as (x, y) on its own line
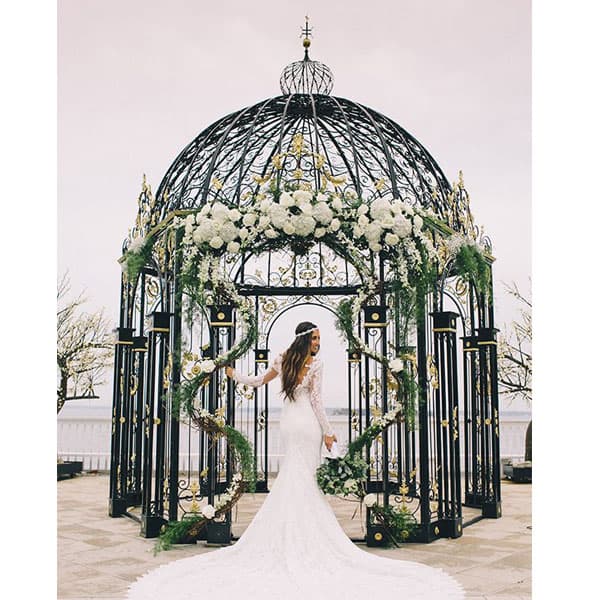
(514, 352)
(84, 346)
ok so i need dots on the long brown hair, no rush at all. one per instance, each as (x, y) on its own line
(294, 359)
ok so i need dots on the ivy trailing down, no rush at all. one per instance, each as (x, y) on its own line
(470, 264)
(189, 528)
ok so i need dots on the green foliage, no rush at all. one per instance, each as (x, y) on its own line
(135, 261)
(472, 265)
(399, 523)
(177, 532)
(244, 454)
(343, 476)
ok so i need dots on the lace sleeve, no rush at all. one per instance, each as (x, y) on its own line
(251, 380)
(258, 380)
(316, 402)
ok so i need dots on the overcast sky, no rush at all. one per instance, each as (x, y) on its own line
(138, 80)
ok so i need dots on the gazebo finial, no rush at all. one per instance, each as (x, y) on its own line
(306, 76)
(307, 32)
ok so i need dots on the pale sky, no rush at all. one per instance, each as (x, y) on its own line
(138, 80)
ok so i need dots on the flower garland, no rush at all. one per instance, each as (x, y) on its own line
(189, 528)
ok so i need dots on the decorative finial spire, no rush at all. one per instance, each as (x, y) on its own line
(307, 32)
(306, 76)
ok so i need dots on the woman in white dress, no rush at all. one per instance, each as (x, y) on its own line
(294, 548)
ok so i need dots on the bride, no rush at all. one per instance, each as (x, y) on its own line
(294, 548)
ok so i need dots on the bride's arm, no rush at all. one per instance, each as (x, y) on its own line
(255, 380)
(316, 384)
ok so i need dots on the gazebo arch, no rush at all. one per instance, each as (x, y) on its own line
(339, 203)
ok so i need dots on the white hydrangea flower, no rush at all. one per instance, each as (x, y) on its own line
(207, 366)
(357, 231)
(279, 216)
(204, 211)
(363, 209)
(307, 209)
(233, 247)
(286, 200)
(304, 225)
(321, 197)
(190, 220)
(228, 232)
(288, 228)
(320, 232)
(263, 222)
(265, 205)
(373, 232)
(387, 222)
(243, 233)
(216, 242)
(391, 239)
(208, 511)
(249, 219)
(370, 500)
(302, 196)
(337, 204)
(271, 233)
(402, 226)
(380, 208)
(220, 212)
(375, 246)
(234, 214)
(322, 213)
(335, 225)
(396, 365)
(363, 221)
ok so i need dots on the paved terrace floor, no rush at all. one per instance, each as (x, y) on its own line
(99, 556)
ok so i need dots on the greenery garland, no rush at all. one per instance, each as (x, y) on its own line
(188, 529)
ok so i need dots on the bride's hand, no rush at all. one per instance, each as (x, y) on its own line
(229, 371)
(329, 439)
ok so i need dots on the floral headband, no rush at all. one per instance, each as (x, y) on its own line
(307, 331)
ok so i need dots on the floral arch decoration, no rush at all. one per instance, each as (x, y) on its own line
(418, 249)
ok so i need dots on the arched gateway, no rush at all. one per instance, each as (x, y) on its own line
(306, 198)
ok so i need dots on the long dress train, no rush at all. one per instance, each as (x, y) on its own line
(294, 548)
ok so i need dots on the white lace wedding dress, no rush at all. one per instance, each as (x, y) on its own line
(295, 549)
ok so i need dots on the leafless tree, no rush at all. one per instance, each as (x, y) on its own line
(514, 372)
(84, 346)
(514, 359)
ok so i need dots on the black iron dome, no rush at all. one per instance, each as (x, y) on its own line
(305, 135)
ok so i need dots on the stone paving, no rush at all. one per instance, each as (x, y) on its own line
(99, 556)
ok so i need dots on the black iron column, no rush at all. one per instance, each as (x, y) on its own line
(152, 498)
(446, 424)
(221, 317)
(488, 391)
(472, 423)
(117, 493)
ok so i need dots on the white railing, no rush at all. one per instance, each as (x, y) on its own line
(87, 438)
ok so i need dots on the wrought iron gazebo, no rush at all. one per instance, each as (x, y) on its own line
(445, 458)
